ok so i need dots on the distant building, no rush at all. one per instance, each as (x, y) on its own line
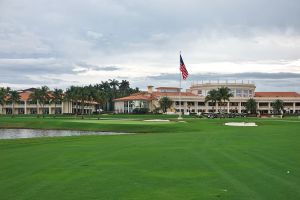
(193, 100)
(26, 106)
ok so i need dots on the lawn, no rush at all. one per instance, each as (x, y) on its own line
(199, 159)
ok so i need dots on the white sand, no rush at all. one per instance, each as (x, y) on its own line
(240, 124)
(157, 120)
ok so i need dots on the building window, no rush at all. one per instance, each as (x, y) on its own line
(245, 93)
(250, 93)
(222, 103)
(239, 93)
(298, 104)
(199, 92)
(32, 111)
(211, 103)
(263, 104)
(234, 104)
(190, 103)
(21, 111)
(177, 103)
(288, 104)
(58, 111)
(201, 103)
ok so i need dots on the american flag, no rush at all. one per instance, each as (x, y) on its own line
(183, 69)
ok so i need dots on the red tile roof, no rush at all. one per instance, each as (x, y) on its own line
(186, 94)
(167, 88)
(277, 94)
(25, 96)
(137, 96)
(148, 97)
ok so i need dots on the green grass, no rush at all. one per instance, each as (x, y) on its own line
(200, 159)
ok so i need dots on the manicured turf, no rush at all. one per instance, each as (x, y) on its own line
(199, 159)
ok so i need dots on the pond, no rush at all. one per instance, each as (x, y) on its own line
(34, 133)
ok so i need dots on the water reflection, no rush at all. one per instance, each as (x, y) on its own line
(32, 133)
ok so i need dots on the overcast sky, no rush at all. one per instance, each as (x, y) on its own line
(70, 42)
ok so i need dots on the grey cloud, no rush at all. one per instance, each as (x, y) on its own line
(263, 81)
(30, 66)
(232, 76)
(118, 33)
(86, 67)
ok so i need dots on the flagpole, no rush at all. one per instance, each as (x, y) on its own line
(179, 117)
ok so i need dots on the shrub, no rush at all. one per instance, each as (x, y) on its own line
(140, 111)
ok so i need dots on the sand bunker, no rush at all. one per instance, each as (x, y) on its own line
(156, 120)
(240, 124)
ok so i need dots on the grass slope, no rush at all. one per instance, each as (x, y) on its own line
(200, 159)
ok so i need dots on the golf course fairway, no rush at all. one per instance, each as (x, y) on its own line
(197, 159)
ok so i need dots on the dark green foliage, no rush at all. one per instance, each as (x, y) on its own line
(277, 106)
(103, 93)
(219, 95)
(113, 89)
(140, 111)
(13, 98)
(251, 106)
(213, 96)
(165, 103)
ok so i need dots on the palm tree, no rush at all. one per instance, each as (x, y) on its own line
(98, 96)
(14, 97)
(165, 103)
(73, 94)
(224, 94)
(44, 98)
(213, 96)
(68, 97)
(4, 92)
(105, 87)
(114, 84)
(277, 106)
(251, 106)
(36, 96)
(83, 95)
(124, 88)
(57, 97)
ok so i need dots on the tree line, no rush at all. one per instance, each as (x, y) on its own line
(103, 93)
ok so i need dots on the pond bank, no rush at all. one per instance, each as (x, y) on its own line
(36, 133)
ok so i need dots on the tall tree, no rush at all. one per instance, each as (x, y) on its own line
(35, 97)
(4, 93)
(213, 96)
(68, 98)
(83, 94)
(251, 106)
(278, 106)
(224, 94)
(75, 96)
(124, 88)
(57, 97)
(98, 96)
(14, 97)
(165, 103)
(114, 84)
(44, 98)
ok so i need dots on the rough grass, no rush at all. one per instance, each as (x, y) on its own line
(200, 159)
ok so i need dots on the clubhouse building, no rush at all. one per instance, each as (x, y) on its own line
(26, 106)
(193, 99)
